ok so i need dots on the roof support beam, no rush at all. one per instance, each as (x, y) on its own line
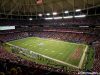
(13, 9)
(4, 2)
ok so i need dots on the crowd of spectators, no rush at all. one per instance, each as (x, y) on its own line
(78, 21)
(13, 36)
(67, 36)
(82, 30)
(60, 34)
(96, 66)
(82, 21)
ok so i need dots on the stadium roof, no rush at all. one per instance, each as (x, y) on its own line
(34, 7)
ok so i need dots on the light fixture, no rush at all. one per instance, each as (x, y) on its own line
(40, 15)
(66, 12)
(78, 10)
(49, 18)
(79, 16)
(54, 13)
(48, 14)
(84, 26)
(30, 19)
(65, 17)
(57, 17)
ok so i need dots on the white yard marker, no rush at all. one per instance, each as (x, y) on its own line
(41, 44)
(53, 51)
(40, 48)
(46, 49)
(34, 46)
(31, 45)
(31, 52)
(60, 53)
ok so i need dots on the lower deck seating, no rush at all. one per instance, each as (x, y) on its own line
(65, 36)
(96, 66)
(10, 60)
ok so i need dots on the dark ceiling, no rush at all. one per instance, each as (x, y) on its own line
(30, 7)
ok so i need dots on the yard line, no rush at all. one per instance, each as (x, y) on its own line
(34, 46)
(59, 61)
(29, 45)
(46, 49)
(60, 53)
(82, 58)
(25, 44)
(53, 51)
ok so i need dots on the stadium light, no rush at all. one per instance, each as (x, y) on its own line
(68, 17)
(98, 26)
(49, 18)
(40, 15)
(79, 16)
(57, 17)
(48, 14)
(78, 10)
(84, 26)
(66, 12)
(54, 13)
(30, 19)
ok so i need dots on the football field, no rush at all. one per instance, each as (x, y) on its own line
(66, 53)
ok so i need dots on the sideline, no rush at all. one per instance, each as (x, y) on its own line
(83, 57)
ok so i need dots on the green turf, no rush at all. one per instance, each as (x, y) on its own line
(55, 49)
(90, 59)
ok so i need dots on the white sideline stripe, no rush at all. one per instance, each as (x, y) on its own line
(49, 58)
(82, 58)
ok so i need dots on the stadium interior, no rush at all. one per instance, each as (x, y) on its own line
(49, 37)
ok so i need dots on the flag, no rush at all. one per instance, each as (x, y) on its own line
(39, 1)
